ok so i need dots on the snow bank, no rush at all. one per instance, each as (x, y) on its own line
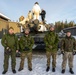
(74, 37)
(39, 65)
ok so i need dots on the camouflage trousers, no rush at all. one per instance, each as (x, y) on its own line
(53, 55)
(29, 57)
(67, 56)
(6, 60)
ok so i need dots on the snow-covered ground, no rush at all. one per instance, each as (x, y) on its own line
(39, 65)
(74, 37)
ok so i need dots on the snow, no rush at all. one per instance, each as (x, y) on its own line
(39, 65)
(74, 37)
(42, 28)
(4, 16)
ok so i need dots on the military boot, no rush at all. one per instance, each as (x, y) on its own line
(63, 71)
(71, 71)
(30, 69)
(4, 72)
(20, 69)
(53, 69)
(47, 69)
(14, 71)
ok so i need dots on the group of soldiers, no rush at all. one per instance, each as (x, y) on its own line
(33, 18)
(36, 12)
(11, 45)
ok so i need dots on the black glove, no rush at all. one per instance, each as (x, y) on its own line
(8, 51)
(62, 52)
(74, 53)
(18, 54)
(26, 49)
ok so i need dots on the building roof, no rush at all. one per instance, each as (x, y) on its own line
(70, 28)
(2, 15)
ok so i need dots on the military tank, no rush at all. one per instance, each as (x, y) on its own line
(37, 30)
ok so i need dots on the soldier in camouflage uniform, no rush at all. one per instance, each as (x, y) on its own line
(68, 51)
(10, 43)
(51, 42)
(26, 43)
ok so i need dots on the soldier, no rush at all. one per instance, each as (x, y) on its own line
(51, 42)
(36, 11)
(30, 16)
(26, 44)
(68, 47)
(43, 13)
(10, 43)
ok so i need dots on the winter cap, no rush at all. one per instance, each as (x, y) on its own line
(68, 31)
(26, 29)
(52, 25)
(11, 28)
(36, 3)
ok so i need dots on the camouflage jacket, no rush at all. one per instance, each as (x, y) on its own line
(68, 44)
(10, 41)
(51, 41)
(26, 42)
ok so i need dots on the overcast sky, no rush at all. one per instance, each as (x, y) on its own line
(56, 10)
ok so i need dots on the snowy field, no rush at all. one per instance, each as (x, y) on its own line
(39, 65)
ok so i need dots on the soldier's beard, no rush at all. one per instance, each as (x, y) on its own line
(11, 33)
(68, 36)
(27, 34)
